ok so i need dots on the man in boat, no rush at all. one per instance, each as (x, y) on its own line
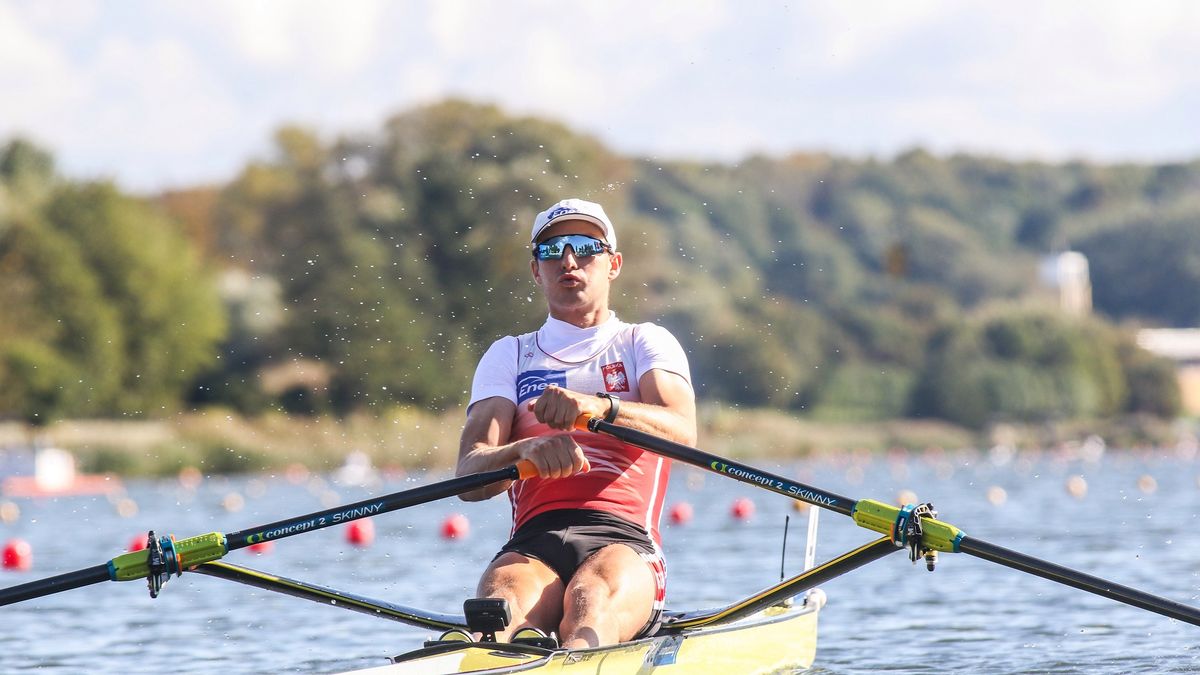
(584, 559)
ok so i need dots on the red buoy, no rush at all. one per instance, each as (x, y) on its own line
(743, 508)
(18, 555)
(360, 532)
(261, 547)
(138, 543)
(455, 526)
(681, 513)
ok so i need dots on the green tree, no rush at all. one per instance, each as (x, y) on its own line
(26, 172)
(804, 282)
(105, 308)
(1153, 383)
(60, 339)
(1148, 268)
(400, 257)
(1023, 365)
(168, 308)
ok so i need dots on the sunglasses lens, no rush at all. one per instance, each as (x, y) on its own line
(548, 250)
(586, 249)
(554, 247)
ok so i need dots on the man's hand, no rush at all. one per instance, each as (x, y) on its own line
(558, 408)
(556, 456)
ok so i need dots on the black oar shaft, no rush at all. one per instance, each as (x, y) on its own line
(214, 545)
(334, 598)
(368, 507)
(56, 584)
(1080, 580)
(740, 472)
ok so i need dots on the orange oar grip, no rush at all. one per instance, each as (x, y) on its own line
(526, 469)
(581, 422)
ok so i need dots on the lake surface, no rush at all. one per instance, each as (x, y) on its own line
(1137, 525)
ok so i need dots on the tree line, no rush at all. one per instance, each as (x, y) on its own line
(369, 271)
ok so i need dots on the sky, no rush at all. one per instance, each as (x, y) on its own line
(158, 94)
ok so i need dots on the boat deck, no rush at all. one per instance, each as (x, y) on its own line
(781, 638)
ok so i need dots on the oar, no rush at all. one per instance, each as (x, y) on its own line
(335, 598)
(167, 556)
(893, 521)
(784, 590)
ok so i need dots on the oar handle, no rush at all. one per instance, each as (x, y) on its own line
(581, 422)
(526, 469)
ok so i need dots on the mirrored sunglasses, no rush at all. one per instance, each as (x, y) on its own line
(583, 246)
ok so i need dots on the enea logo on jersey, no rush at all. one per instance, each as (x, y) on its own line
(531, 382)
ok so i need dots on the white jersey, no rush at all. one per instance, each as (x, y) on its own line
(610, 357)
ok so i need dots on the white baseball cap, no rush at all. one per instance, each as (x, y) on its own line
(575, 209)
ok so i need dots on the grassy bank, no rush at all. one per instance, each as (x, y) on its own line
(217, 441)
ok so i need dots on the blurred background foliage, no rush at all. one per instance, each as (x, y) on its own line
(368, 272)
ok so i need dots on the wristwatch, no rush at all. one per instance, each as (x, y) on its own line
(614, 404)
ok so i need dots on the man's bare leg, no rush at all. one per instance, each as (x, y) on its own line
(533, 591)
(608, 600)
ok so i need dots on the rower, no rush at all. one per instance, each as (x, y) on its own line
(584, 558)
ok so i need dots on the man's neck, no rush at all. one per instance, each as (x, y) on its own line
(582, 318)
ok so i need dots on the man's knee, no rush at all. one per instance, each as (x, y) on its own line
(587, 593)
(534, 592)
(614, 590)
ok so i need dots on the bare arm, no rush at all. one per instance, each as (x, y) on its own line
(485, 446)
(668, 407)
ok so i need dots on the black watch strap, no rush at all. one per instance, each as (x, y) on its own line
(614, 404)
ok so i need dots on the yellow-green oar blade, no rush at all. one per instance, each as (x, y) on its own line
(876, 516)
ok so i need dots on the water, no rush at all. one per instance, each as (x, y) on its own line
(888, 616)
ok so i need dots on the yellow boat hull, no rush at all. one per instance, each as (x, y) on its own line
(777, 639)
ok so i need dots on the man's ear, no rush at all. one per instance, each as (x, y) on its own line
(537, 274)
(615, 261)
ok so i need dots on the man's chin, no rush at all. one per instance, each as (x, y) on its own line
(573, 301)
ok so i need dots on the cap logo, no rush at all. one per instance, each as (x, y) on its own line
(562, 210)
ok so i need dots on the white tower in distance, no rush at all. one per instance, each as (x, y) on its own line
(1068, 272)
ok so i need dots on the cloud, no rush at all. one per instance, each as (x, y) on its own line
(1107, 59)
(573, 61)
(36, 75)
(167, 92)
(151, 94)
(842, 35)
(317, 39)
